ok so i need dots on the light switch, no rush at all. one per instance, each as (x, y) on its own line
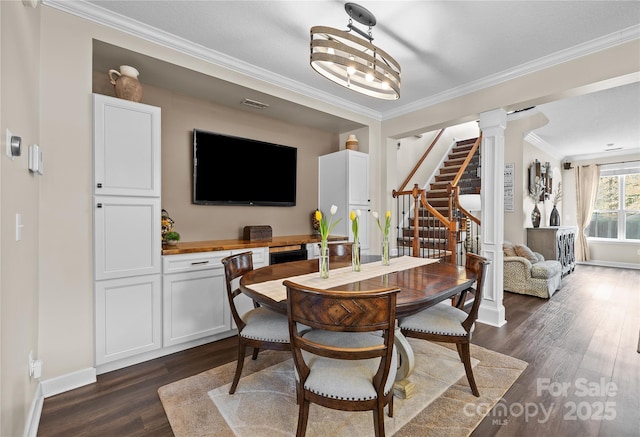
(19, 226)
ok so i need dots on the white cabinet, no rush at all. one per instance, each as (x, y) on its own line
(344, 182)
(127, 317)
(194, 294)
(127, 230)
(127, 236)
(126, 140)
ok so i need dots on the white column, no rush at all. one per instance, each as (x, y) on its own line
(492, 125)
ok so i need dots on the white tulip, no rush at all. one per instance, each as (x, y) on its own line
(334, 209)
(375, 215)
(358, 213)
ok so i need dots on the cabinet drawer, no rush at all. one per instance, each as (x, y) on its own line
(260, 255)
(191, 262)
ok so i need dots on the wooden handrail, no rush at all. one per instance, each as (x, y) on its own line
(466, 162)
(421, 160)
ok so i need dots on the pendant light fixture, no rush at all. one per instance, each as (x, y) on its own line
(354, 62)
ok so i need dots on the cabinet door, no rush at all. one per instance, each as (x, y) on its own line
(126, 139)
(358, 178)
(127, 236)
(194, 305)
(364, 224)
(127, 317)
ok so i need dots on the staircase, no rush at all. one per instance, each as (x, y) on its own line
(432, 232)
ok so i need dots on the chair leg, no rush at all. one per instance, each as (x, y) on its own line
(378, 419)
(391, 405)
(255, 353)
(465, 357)
(303, 416)
(236, 377)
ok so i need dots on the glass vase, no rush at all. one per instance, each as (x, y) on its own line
(355, 256)
(323, 260)
(385, 250)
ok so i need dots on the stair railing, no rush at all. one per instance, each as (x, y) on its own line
(461, 226)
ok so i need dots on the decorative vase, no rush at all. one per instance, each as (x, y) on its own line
(554, 219)
(355, 256)
(352, 142)
(323, 261)
(385, 250)
(535, 217)
(126, 83)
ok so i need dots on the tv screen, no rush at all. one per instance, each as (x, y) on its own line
(228, 170)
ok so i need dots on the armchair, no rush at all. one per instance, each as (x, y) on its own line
(527, 272)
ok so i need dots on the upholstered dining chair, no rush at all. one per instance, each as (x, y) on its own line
(259, 328)
(450, 324)
(340, 251)
(347, 361)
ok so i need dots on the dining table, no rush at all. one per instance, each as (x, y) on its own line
(423, 282)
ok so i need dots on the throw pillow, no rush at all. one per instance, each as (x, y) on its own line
(508, 249)
(525, 252)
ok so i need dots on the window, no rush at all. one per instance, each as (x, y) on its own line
(617, 209)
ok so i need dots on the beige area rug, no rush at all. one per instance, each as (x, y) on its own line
(264, 403)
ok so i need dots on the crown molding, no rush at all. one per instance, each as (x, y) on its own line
(542, 145)
(107, 18)
(127, 25)
(590, 47)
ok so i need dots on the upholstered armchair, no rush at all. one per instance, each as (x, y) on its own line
(527, 272)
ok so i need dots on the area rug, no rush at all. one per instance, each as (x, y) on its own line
(264, 403)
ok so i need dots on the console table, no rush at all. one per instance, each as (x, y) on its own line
(555, 243)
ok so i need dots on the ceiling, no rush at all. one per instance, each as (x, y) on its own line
(445, 49)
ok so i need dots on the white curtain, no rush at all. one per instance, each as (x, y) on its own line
(587, 178)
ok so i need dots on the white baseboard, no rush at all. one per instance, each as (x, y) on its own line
(610, 264)
(33, 419)
(68, 382)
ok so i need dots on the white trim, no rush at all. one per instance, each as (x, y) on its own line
(544, 146)
(33, 417)
(107, 18)
(614, 264)
(124, 24)
(63, 383)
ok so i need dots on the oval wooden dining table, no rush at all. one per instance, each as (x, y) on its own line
(420, 287)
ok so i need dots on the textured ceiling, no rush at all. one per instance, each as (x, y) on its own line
(444, 47)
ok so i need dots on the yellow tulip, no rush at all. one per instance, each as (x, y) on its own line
(352, 215)
(388, 215)
(318, 215)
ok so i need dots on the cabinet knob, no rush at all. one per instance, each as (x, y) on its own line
(99, 185)
(99, 205)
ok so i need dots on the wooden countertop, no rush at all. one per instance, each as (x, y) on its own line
(214, 245)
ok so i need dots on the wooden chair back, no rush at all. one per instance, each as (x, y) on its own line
(236, 266)
(478, 265)
(340, 251)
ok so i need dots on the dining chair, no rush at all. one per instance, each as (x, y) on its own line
(260, 327)
(340, 251)
(347, 361)
(451, 324)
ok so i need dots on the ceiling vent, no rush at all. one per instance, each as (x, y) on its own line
(255, 104)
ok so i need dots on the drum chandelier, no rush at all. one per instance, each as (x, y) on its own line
(353, 62)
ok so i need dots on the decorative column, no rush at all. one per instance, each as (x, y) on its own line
(492, 125)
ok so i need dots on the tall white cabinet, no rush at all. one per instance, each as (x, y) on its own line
(344, 182)
(127, 246)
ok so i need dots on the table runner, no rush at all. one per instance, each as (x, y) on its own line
(344, 275)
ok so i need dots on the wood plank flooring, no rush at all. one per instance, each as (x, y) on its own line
(578, 344)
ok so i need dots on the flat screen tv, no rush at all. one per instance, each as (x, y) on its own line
(229, 170)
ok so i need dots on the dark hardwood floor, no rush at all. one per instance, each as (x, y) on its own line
(582, 378)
